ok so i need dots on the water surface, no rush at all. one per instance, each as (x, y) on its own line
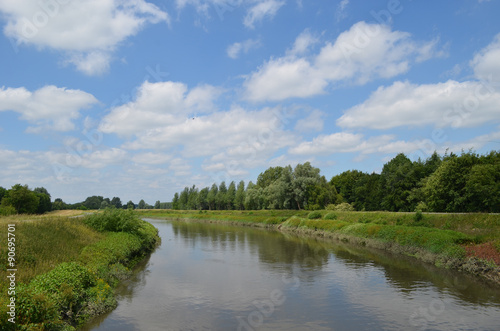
(217, 277)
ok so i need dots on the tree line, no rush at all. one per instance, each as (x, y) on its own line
(468, 182)
(20, 199)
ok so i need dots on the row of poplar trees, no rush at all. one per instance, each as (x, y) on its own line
(468, 182)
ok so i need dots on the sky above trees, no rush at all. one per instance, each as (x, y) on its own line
(139, 99)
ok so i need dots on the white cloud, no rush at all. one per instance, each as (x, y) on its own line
(363, 53)
(302, 43)
(341, 8)
(454, 104)
(486, 63)
(344, 142)
(49, 107)
(263, 9)
(234, 50)
(87, 32)
(158, 105)
(314, 122)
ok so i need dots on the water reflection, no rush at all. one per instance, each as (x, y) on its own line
(216, 277)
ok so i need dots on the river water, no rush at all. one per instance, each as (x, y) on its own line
(218, 277)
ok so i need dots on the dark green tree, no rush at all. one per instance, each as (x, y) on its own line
(175, 201)
(141, 205)
(45, 205)
(130, 205)
(22, 199)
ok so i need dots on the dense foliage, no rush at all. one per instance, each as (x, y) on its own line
(21, 200)
(451, 183)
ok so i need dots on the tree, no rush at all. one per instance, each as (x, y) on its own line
(253, 198)
(157, 204)
(44, 205)
(269, 176)
(184, 199)
(203, 198)
(230, 196)
(482, 189)
(22, 199)
(141, 205)
(130, 205)
(116, 202)
(368, 192)
(398, 178)
(304, 176)
(93, 202)
(192, 198)
(322, 194)
(175, 201)
(59, 204)
(220, 198)
(3, 192)
(212, 197)
(345, 184)
(104, 204)
(239, 198)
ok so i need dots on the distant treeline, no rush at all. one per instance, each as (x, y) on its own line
(451, 183)
(21, 200)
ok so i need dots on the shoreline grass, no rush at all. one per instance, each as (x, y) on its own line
(436, 238)
(68, 267)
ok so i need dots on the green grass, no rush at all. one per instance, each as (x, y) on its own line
(67, 268)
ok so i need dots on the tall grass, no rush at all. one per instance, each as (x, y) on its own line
(44, 242)
(67, 267)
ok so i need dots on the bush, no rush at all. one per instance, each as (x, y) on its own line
(418, 216)
(330, 216)
(114, 220)
(314, 215)
(344, 206)
(422, 206)
(7, 210)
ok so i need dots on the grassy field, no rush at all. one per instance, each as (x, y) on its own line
(469, 242)
(66, 267)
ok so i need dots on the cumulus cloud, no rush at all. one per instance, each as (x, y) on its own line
(455, 104)
(49, 107)
(486, 63)
(363, 53)
(87, 32)
(158, 105)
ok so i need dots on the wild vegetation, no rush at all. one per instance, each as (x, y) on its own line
(67, 267)
(451, 183)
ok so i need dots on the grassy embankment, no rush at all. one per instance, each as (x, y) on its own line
(67, 267)
(467, 242)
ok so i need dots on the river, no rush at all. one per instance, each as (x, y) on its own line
(219, 277)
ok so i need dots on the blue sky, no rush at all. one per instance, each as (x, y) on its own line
(138, 99)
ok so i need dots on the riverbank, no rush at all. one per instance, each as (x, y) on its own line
(465, 242)
(65, 269)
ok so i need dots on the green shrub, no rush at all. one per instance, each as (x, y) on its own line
(330, 216)
(114, 220)
(418, 216)
(344, 206)
(7, 210)
(314, 215)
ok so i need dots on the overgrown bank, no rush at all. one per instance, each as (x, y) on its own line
(445, 240)
(67, 267)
